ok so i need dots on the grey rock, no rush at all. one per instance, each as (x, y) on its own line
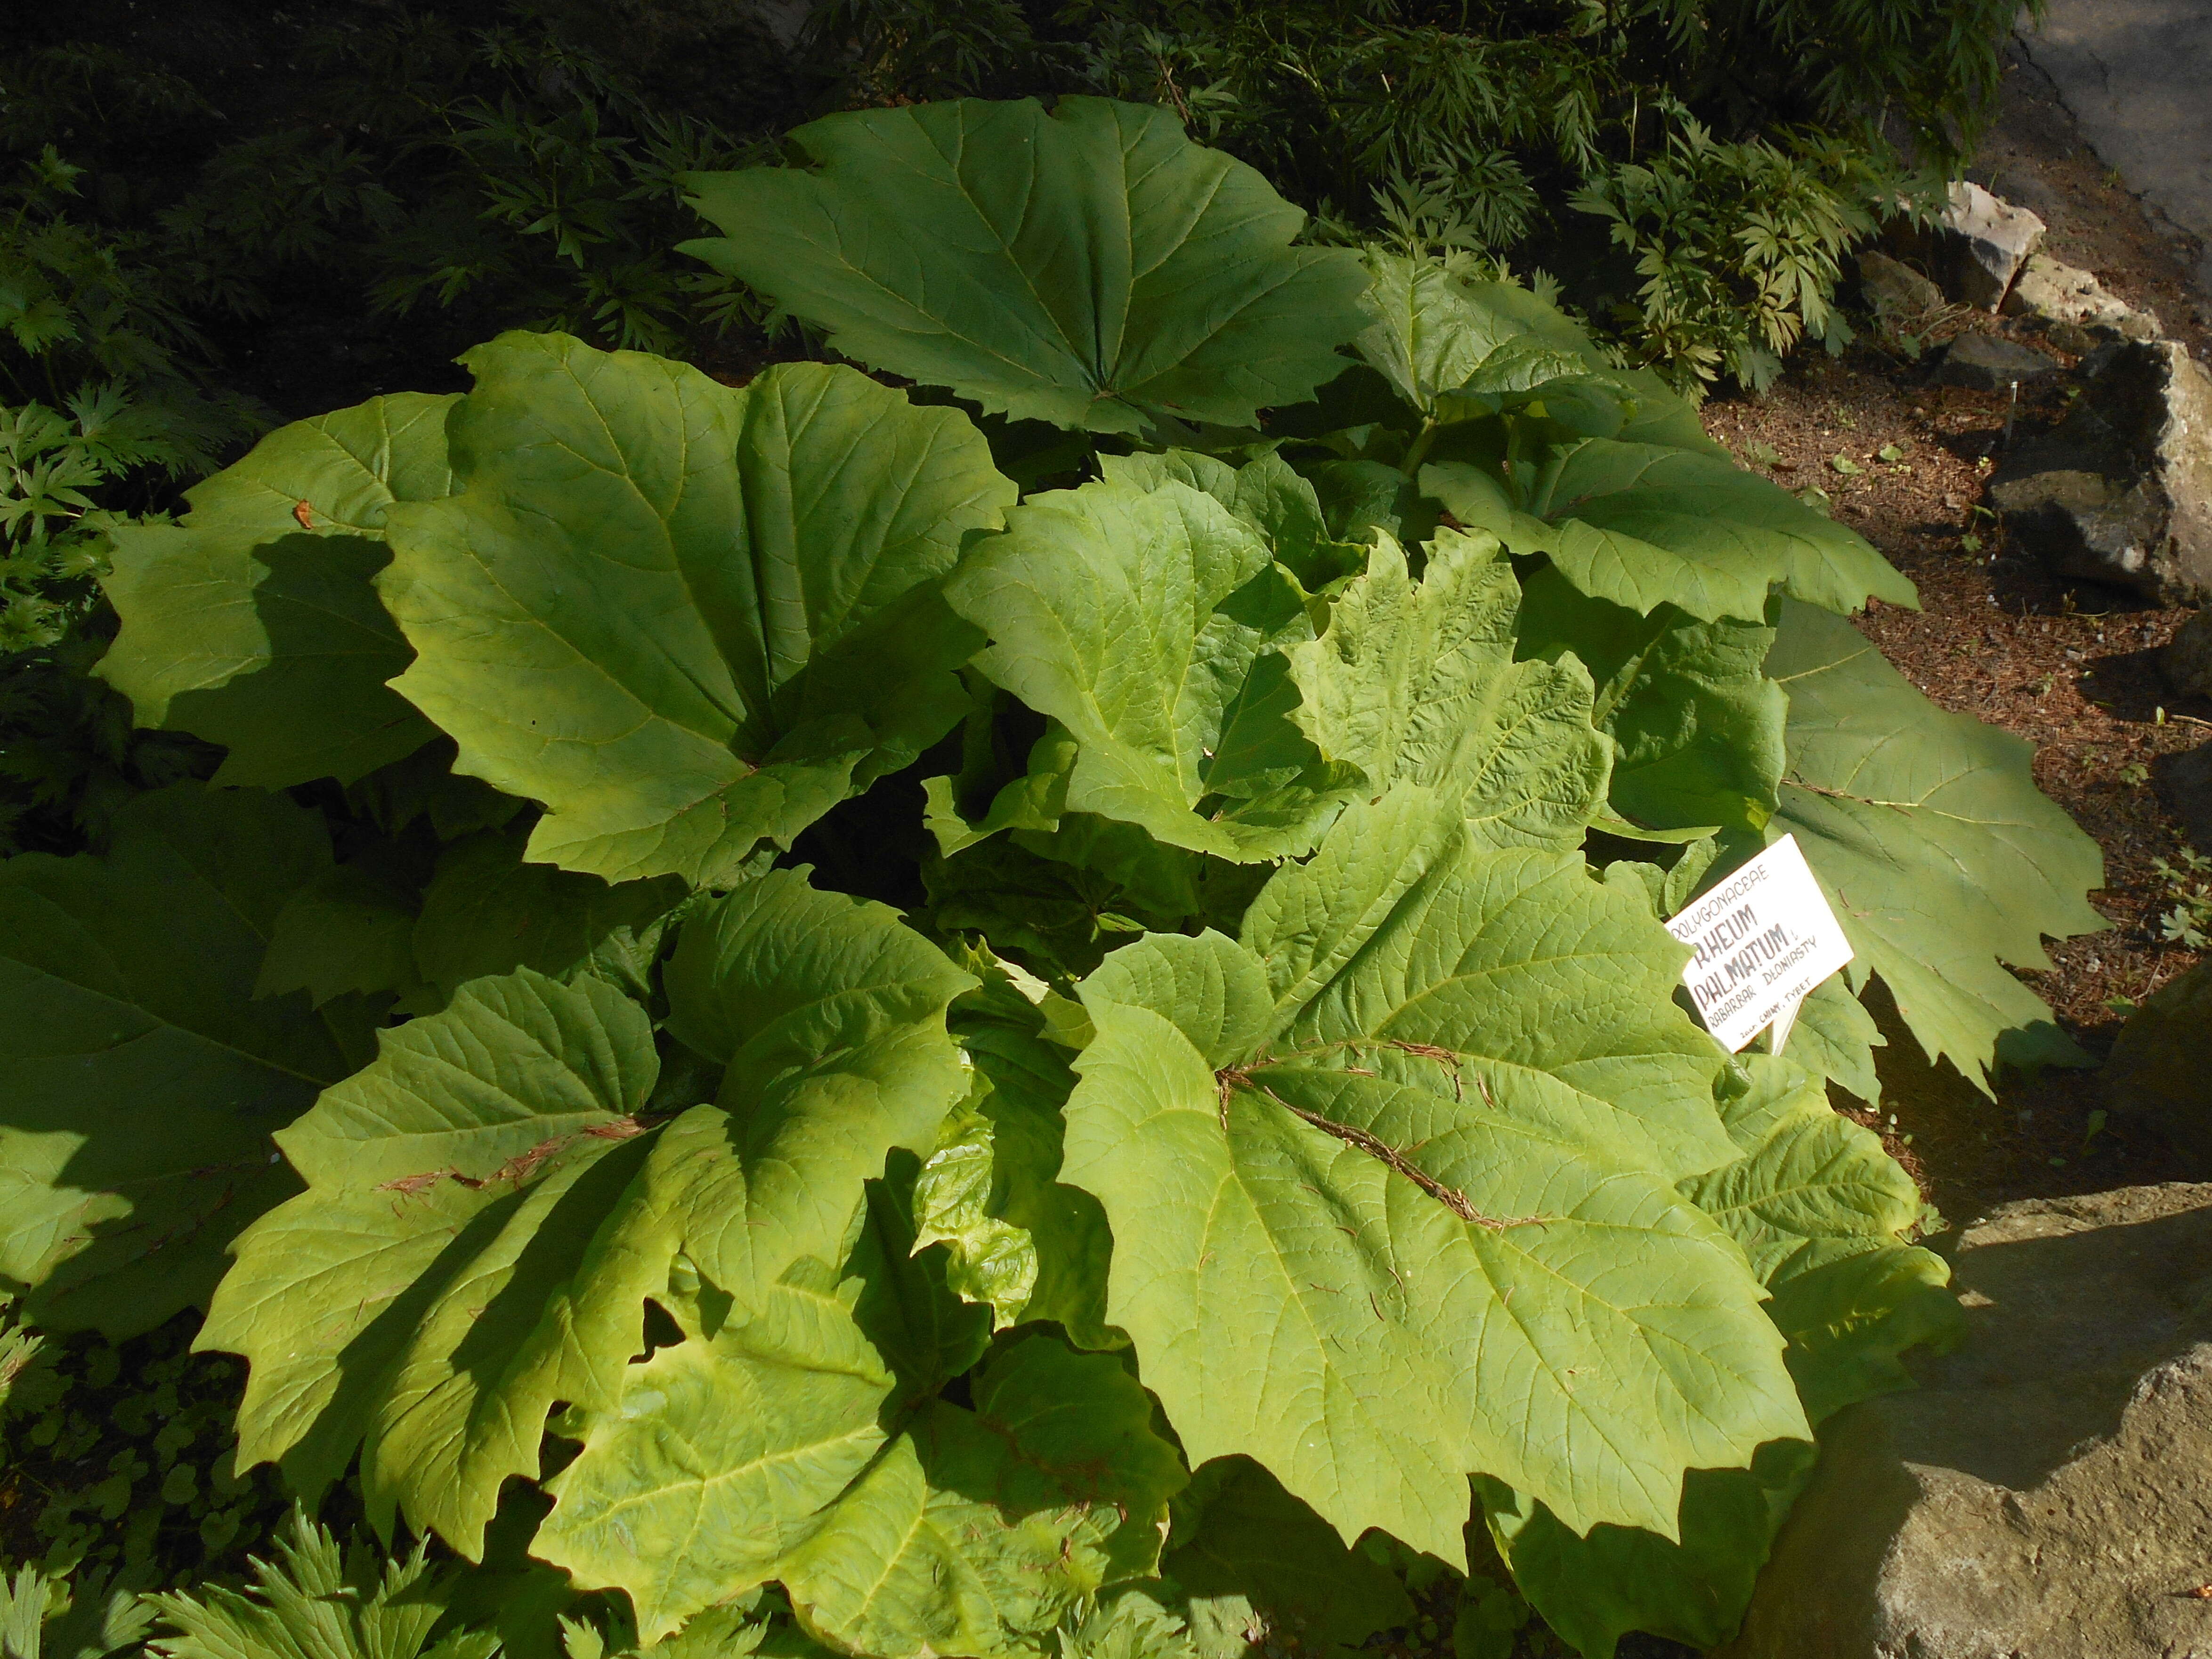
(2120, 492)
(1990, 362)
(1894, 291)
(2158, 1072)
(2133, 74)
(2186, 662)
(2073, 298)
(2184, 784)
(2047, 1494)
(1985, 241)
(2071, 337)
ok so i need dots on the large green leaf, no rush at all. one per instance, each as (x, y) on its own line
(980, 1530)
(423, 787)
(1418, 1136)
(253, 623)
(1416, 681)
(1645, 525)
(1821, 1212)
(829, 1017)
(802, 1446)
(1266, 492)
(1127, 1623)
(140, 1079)
(487, 1210)
(1063, 1242)
(1351, 938)
(1849, 1320)
(364, 925)
(352, 929)
(957, 1202)
(1453, 348)
(1836, 1036)
(1092, 268)
(731, 1446)
(1144, 621)
(1594, 1589)
(1824, 1214)
(401, 1304)
(487, 911)
(1696, 724)
(1816, 1187)
(1927, 832)
(688, 619)
(1451, 353)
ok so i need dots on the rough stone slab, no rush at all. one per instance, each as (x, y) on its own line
(2135, 74)
(1988, 241)
(2067, 295)
(2184, 784)
(1894, 291)
(2048, 1492)
(2185, 663)
(2160, 1071)
(2120, 492)
(1990, 362)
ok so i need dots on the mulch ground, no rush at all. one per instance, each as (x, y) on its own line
(2070, 668)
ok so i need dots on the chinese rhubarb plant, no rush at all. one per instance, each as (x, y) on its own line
(771, 1034)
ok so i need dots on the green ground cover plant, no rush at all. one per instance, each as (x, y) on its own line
(1024, 1011)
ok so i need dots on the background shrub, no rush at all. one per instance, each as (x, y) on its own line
(218, 214)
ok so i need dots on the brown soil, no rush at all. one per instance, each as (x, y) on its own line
(2072, 669)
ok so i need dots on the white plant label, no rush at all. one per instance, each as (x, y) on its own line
(1764, 940)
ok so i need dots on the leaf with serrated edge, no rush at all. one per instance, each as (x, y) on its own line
(1265, 493)
(496, 1213)
(1813, 1197)
(1593, 1590)
(352, 930)
(1644, 525)
(1816, 1180)
(1432, 333)
(900, 1524)
(721, 1454)
(1093, 267)
(1423, 1226)
(1397, 933)
(454, 1188)
(988, 1260)
(1848, 1319)
(1141, 621)
(1029, 1083)
(1836, 1036)
(140, 1078)
(1417, 681)
(253, 623)
(1449, 352)
(687, 619)
(1697, 724)
(1639, 523)
(977, 1531)
(1941, 858)
(487, 911)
